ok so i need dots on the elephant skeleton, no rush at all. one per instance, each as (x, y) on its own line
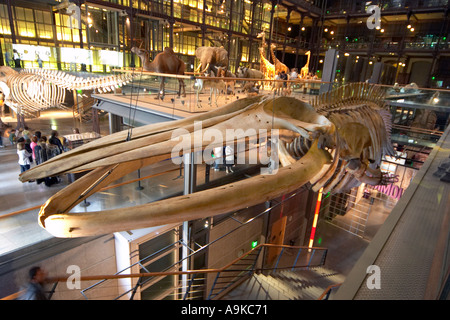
(334, 144)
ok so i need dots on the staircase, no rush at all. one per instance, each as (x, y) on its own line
(306, 284)
(83, 110)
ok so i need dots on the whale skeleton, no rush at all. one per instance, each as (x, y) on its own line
(333, 144)
(32, 90)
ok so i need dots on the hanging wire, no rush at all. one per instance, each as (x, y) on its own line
(272, 40)
(131, 108)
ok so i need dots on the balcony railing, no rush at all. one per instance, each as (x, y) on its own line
(206, 284)
(387, 46)
(344, 7)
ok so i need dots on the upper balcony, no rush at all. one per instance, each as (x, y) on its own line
(419, 45)
(344, 7)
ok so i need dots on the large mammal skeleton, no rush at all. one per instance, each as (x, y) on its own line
(71, 82)
(336, 144)
(32, 90)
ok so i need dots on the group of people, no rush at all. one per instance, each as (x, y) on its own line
(17, 63)
(37, 148)
(282, 87)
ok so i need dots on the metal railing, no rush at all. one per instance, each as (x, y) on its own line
(326, 294)
(212, 284)
(205, 93)
(242, 266)
(288, 258)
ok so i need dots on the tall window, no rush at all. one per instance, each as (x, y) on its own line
(188, 10)
(5, 28)
(239, 20)
(102, 27)
(24, 21)
(261, 19)
(218, 13)
(64, 30)
(43, 24)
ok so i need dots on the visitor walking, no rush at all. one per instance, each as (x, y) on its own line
(12, 137)
(26, 133)
(218, 157)
(16, 58)
(229, 158)
(35, 288)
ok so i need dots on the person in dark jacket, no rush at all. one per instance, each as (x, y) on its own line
(43, 152)
(40, 151)
(55, 141)
(16, 57)
(34, 289)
